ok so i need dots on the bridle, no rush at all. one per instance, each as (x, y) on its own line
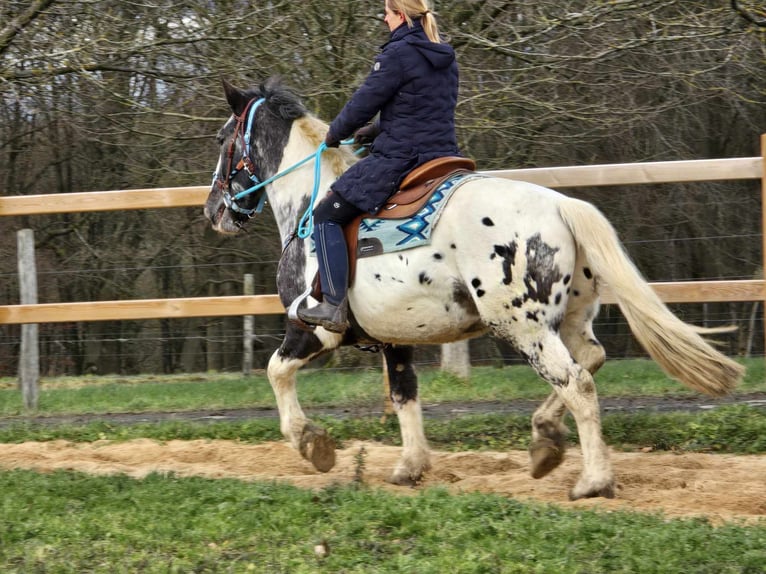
(243, 130)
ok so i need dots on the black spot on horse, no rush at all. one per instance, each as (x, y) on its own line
(542, 271)
(480, 292)
(586, 271)
(532, 316)
(508, 253)
(462, 297)
(377, 276)
(488, 222)
(476, 282)
(424, 278)
(438, 256)
(567, 277)
(558, 298)
(576, 293)
(517, 302)
(452, 246)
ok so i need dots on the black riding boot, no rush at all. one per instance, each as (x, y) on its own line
(332, 256)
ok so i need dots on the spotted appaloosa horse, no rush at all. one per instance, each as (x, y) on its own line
(507, 257)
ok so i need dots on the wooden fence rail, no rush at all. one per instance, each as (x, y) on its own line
(556, 177)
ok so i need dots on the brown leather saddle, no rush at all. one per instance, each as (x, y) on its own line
(414, 192)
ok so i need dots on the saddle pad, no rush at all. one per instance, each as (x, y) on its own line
(377, 236)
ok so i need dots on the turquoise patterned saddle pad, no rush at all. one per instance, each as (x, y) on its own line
(377, 236)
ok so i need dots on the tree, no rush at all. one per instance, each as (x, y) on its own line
(100, 94)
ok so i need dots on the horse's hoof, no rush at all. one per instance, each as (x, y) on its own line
(317, 447)
(605, 491)
(545, 455)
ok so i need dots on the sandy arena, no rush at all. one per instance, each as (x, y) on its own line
(721, 487)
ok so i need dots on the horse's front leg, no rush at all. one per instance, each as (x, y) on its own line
(403, 382)
(311, 440)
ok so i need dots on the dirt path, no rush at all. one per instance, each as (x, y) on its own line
(722, 487)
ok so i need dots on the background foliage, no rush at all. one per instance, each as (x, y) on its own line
(102, 95)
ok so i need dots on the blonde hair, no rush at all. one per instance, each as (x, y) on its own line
(414, 9)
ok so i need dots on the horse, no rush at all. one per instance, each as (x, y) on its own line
(511, 258)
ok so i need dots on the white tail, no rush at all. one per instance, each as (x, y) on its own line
(676, 346)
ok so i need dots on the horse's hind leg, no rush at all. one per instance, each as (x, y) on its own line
(403, 382)
(312, 441)
(574, 385)
(549, 434)
(548, 431)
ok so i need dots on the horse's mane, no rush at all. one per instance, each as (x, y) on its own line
(281, 100)
(287, 105)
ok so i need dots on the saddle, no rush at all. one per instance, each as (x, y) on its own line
(414, 192)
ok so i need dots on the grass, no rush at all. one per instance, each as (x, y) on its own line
(328, 388)
(69, 522)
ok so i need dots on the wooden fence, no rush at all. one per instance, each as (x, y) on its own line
(556, 177)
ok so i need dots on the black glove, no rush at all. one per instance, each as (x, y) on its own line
(366, 135)
(330, 141)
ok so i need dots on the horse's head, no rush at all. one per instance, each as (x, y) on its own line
(251, 144)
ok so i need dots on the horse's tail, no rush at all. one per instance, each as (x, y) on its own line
(676, 346)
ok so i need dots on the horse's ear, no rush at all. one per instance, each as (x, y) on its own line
(236, 98)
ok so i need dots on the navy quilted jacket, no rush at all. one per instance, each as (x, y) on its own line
(413, 85)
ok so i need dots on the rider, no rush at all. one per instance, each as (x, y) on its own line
(413, 86)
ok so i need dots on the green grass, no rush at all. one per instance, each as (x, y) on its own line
(69, 522)
(329, 387)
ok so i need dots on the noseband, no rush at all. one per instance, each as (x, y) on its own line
(224, 185)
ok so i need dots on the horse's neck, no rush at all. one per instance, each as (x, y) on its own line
(289, 196)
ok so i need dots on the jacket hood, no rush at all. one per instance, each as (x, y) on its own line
(438, 55)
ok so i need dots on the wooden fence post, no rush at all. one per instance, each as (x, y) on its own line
(29, 360)
(247, 334)
(763, 226)
(456, 359)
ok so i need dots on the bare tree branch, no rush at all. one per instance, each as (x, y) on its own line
(17, 24)
(749, 15)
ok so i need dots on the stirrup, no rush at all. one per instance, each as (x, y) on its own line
(292, 311)
(331, 317)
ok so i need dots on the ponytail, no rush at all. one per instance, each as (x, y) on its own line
(430, 26)
(418, 9)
